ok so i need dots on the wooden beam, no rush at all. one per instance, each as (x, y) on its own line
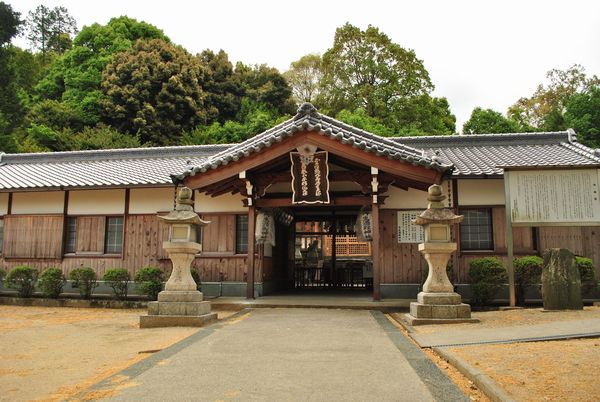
(65, 219)
(375, 253)
(125, 216)
(337, 201)
(10, 202)
(251, 246)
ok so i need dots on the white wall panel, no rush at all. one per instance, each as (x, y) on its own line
(150, 200)
(223, 203)
(481, 192)
(97, 202)
(38, 202)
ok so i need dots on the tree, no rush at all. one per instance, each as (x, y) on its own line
(154, 90)
(304, 77)
(264, 84)
(583, 115)
(360, 119)
(76, 77)
(544, 110)
(423, 115)
(222, 86)
(365, 69)
(50, 29)
(486, 121)
(10, 23)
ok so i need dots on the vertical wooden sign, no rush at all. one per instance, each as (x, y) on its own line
(310, 178)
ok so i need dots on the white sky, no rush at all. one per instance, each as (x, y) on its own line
(478, 53)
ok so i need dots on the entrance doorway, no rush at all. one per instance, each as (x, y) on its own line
(327, 252)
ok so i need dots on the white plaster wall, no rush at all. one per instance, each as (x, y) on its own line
(96, 202)
(150, 200)
(409, 199)
(38, 202)
(224, 203)
(481, 192)
(3, 203)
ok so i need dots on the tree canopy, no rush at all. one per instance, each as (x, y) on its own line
(486, 121)
(304, 77)
(583, 115)
(50, 29)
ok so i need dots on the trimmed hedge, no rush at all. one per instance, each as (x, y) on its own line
(528, 271)
(149, 281)
(22, 278)
(51, 282)
(85, 280)
(587, 272)
(486, 276)
(118, 280)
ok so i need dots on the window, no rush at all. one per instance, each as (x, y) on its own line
(71, 235)
(476, 229)
(241, 234)
(113, 240)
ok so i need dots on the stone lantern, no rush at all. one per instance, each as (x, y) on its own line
(438, 303)
(180, 304)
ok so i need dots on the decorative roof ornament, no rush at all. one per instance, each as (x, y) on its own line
(436, 212)
(184, 210)
(306, 109)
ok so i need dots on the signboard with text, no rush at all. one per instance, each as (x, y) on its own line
(310, 178)
(553, 197)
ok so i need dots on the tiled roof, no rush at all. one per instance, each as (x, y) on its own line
(485, 155)
(308, 119)
(104, 168)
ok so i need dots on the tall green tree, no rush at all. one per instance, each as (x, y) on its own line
(423, 115)
(155, 91)
(583, 115)
(365, 69)
(488, 121)
(10, 104)
(76, 77)
(545, 109)
(222, 86)
(50, 29)
(304, 77)
(266, 85)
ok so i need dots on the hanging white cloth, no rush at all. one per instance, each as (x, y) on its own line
(265, 228)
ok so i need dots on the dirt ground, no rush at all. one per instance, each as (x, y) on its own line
(51, 354)
(533, 371)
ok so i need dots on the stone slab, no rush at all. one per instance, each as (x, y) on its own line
(439, 298)
(420, 310)
(440, 311)
(158, 321)
(180, 296)
(179, 308)
(411, 320)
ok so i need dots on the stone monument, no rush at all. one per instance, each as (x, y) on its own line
(180, 304)
(561, 282)
(438, 303)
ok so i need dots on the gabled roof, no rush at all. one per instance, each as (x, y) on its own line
(308, 119)
(485, 155)
(100, 168)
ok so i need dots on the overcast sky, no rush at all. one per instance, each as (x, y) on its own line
(478, 53)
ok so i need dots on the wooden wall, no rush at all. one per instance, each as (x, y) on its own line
(403, 263)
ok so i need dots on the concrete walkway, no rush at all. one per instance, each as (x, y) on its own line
(288, 355)
(509, 334)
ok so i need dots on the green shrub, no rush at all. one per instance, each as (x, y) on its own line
(587, 272)
(150, 281)
(486, 275)
(117, 279)
(2, 274)
(22, 279)
(85, 280)
(528, 271)
(51, 282)
(196, 277)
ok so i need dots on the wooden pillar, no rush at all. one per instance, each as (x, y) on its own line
(510, 267)
(251, 245)
(375, 251)
(125, 219)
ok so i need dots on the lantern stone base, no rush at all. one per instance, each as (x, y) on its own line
(178, 309)
(439, 308)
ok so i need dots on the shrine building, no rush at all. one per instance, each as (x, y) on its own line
(308, 185)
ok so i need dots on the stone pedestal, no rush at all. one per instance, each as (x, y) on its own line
(438, 303)
(180, 304)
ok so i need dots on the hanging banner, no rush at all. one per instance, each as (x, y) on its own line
(310, 178)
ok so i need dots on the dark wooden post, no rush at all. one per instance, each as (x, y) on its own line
(375, 253)
(251, 243)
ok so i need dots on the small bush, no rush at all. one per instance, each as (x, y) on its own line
(51, 282)
(117, 279)
(528, 271)
(149, 281)
(587, 272)
(22, 279)
(2, 275)
(85, 280)
(196, 277)
(486, 275)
